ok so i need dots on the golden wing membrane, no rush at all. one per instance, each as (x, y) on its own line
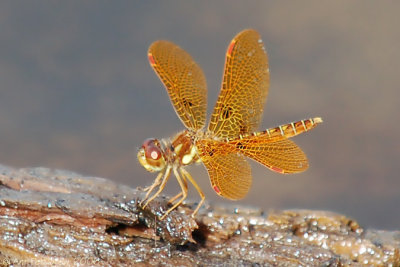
(184, 81)
(230, 173)
(282, 156)
(244, 89)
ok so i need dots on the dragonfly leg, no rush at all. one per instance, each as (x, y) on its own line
(184, 193)
(164, 179)
(150, 188)
(147, 188)
(180, 193)
(190, 178)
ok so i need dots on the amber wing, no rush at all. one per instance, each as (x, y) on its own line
(230, 173)
(238, 111)
(282, 156)
(184, 81)
(244, 89)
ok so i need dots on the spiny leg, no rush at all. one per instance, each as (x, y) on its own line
(162, 185)
(147, 188)
(172, 199)
(150, 188)
(180, 193)
(190, 178)
(184, 193)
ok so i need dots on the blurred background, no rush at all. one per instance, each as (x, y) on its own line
(77, 92)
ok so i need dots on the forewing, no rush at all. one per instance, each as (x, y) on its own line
(244, 89)
(184, 81)
(282, 156)
(229, 172)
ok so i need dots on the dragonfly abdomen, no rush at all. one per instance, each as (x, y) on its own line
(285, 130)
(291, 129)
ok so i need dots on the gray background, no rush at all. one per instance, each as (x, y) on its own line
(77, 92)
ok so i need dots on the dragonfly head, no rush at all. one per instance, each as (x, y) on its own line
(151, 155)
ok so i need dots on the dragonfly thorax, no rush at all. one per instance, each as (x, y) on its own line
(183, 150)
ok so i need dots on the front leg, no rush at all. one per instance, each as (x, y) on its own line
(164, 180)
(154, 184)
(150, 188)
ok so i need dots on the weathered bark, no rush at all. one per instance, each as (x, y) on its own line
(53, 217)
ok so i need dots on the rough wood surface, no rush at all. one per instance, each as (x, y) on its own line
(53, 217)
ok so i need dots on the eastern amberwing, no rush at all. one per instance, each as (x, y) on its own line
(231, 134)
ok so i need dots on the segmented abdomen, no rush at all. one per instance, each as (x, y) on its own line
(285, 130)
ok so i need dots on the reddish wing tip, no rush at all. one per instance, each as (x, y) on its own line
(151, 59)
(230, 48)
(276, 169)
(216, 189)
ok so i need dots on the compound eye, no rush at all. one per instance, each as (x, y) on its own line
(152, 149)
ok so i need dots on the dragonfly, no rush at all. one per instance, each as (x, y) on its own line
(231, 135)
